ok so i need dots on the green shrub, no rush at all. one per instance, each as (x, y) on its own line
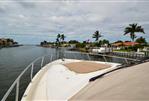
(80, 45)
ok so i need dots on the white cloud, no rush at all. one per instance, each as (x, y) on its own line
(77, 19)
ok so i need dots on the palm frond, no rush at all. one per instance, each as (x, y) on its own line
(96, 35)
(140, 29)
(132, 28)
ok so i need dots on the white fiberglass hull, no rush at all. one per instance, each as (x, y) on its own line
(56, 82)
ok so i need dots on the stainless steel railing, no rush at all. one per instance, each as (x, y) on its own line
(104, 56)
(17, 81)
(67, 55)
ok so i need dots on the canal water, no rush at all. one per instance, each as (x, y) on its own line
(14, 60)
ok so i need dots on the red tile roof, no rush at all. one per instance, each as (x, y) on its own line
(125, 44)
(130, 43)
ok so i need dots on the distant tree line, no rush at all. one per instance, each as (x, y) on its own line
(132, 29)
(7, 42)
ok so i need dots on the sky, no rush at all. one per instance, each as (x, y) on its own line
(32, 21)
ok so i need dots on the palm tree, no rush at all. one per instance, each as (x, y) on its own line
(62, 37)
(58, 40)
(132, 29)
(58, 36)
(96, 35)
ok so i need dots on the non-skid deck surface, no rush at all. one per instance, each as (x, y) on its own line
(129, 84)
(86, 67)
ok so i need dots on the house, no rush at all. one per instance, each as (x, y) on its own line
(119, 45)
(146, 49)
(130, 43)
(127, 43)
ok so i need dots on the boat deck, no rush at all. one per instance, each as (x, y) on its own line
(59, 80)
(86, 66)
(128, 84)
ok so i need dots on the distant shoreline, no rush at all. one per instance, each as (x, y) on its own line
(9, 46)
(68, 48)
